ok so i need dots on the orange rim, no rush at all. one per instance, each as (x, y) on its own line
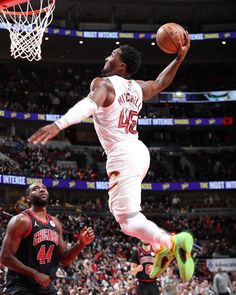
(38, 11)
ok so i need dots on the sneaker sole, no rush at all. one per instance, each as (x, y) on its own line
(186, 269)
(189, 269)
(155, 274)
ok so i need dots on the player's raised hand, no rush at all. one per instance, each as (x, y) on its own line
(87, 235)
(139, 268)
(44, 134)
(183, 48)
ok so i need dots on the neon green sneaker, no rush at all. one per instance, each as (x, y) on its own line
(182, 247)
(163, 258)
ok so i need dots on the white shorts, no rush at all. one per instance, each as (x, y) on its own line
(127, 165)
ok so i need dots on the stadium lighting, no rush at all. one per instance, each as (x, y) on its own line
(178, 93)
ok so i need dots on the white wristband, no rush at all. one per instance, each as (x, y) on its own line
(82, 110)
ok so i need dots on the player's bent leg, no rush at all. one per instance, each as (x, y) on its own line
(163, 258)
(138, 226)
(182, 248)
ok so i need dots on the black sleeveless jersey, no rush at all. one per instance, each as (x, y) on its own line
(140, 256)
(38, 249)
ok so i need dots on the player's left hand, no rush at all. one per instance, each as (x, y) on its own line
(87, 235)
(44, 134)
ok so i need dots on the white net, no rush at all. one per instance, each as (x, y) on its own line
(27, 26)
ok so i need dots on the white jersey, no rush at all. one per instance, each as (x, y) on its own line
(118, 122)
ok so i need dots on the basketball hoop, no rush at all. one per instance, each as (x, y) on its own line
(26, 22)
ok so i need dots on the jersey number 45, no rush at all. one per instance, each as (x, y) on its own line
(128, 120)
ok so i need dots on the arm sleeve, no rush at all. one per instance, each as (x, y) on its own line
(80, 111)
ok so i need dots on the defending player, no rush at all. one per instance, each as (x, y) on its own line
(114, 102)
(33, 247)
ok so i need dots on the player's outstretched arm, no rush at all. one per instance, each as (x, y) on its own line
(165, 78)
(80, 111)
(69, 255)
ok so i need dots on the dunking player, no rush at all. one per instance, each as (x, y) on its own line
(142, 260)
(114, 102)
(33, 247)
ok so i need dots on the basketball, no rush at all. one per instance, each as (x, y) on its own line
(168, 37)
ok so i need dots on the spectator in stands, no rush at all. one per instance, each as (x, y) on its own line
(169, 283)
(221, 282)
(61, 273)
(233, 288)
(21, 204)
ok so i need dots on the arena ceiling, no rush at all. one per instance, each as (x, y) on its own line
(191, 13)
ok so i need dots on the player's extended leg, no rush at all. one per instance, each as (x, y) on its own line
(125, 176)
(137, 225)
(178, 246)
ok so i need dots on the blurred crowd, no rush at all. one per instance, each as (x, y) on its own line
(103, 266)
(52, 162)
(88, 164)
(187, 166)
(54, 88)
(188, 110)
(42, 89)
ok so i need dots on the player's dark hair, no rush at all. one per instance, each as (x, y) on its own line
(27, 191)
(131, 57)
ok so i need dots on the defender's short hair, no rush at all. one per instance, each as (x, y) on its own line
(27, 191)
(131, 57)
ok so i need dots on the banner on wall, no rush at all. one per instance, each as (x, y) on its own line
(103, 185)
(127, 35)
(198, 97)
(141, 121)
(226, 264)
